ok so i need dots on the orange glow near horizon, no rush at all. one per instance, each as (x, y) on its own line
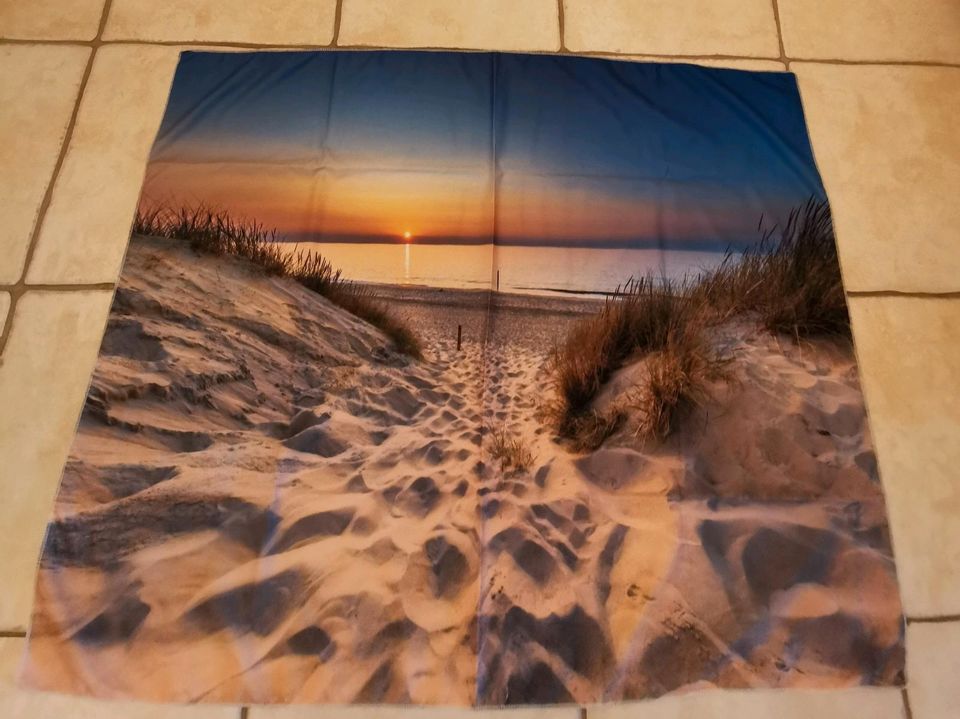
(393, 204)
(349, 202)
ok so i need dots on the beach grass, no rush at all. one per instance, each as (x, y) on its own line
(512, 451)
(791, 278)
(215, 232)
(641, 316)
(676, 382)
(790, 282)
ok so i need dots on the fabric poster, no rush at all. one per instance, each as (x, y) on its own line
(466, 378)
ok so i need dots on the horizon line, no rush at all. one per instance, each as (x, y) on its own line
(687, 245)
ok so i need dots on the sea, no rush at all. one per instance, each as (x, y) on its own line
(524, 270)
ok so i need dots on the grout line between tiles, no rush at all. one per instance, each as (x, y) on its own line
(945, 295)
(563, 44)
(786, 59)
(776, 17)
(906, 63)
(20, 287)
(934, 619)
(905, 698)
(337, 18)
(77, 287)
(237, 44)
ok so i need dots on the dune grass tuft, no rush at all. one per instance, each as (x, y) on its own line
(792, 280)
(215, 232)
(363, 302)
(639, 317)
(513, 452)
(791, 285)
(589, 430)
(677, 381)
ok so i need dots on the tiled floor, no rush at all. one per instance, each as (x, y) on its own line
(82, 88)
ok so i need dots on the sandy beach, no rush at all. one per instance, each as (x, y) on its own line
(265, 503)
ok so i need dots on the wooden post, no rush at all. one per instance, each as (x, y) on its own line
(498, 280)
(459, 336)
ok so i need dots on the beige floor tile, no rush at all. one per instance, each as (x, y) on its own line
(887, 145)
(910, 371)
(50, 19)
(672, 27)
(4, 308)
(876, 703)
(871, 29)
(45, 370)
(85, 231)
(933, 665)
(395, 712)
(490, 25)
(281, 22)
(17, 703)
(38, 89)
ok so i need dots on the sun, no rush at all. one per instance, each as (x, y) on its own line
(407, 235)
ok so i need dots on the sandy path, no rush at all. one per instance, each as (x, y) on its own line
(590, 538)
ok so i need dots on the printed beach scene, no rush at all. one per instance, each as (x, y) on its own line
(471, 379)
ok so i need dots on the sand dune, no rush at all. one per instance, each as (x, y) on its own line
(264, 503)
(750, 549)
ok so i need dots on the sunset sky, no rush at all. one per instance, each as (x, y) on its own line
(365, 147)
